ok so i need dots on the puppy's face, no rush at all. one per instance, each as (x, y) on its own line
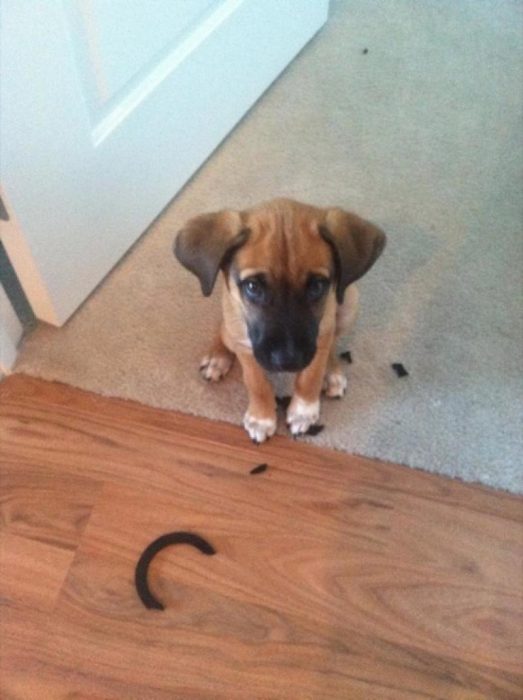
(283, 279)
(286, 266)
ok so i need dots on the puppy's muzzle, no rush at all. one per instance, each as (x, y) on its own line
(283, 351)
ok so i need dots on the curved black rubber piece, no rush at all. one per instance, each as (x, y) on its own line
(140, 574)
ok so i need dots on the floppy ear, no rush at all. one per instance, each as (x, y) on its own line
(206, 242)
(356, 245)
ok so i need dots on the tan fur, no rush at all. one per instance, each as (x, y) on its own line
(285, 242)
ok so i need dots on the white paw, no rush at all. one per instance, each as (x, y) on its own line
(302, 414)
(335, 385)
(214, 368)
(259, 429)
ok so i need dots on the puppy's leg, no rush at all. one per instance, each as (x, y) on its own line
(260, 419)
(218, 361)
(335, 382)
(347, 313)
(304, 409)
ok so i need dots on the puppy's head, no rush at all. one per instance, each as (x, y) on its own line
(286, 266)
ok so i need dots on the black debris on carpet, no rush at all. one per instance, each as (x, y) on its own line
(399, 369)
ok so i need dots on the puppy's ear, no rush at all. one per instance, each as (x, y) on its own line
(356, 245)
(207, 242)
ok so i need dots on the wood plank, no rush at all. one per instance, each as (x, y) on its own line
(34, 504)
(335, 576)
(31, 575)
(42, 516)
(32, 572)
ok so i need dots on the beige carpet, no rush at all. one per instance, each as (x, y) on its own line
(421, 133)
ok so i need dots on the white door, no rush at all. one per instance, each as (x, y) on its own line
(108, 107)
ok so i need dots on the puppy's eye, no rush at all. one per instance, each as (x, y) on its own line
(317, 287)
(254, 290)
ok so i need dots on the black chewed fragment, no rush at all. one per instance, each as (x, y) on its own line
(259, 469)
(399, 369)
(283, 401)
(346, 356)
(315, 430)
(140, 574)
(365, 51)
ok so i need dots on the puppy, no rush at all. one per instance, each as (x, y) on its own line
(289, 272)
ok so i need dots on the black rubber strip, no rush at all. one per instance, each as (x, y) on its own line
(346, 356)
(315, 429)
(140, 574)
(259, 469)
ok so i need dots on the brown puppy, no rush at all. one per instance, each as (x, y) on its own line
(289, 270)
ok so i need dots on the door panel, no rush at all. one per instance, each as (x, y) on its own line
(114, 44)
(97, 138)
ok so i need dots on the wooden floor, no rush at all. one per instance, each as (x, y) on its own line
(335, 576)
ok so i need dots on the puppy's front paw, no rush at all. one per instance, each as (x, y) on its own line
(302, 414)
(335, 385)
(215, 367)
(259, 429)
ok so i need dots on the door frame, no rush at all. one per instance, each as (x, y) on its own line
(11, 331)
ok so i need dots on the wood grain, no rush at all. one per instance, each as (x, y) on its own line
(335, 576)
